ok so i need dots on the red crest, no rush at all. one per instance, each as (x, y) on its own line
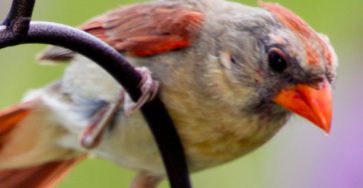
(307, 35)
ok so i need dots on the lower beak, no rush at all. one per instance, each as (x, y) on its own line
(309, 102)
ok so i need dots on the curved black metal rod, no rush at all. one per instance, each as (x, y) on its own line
(19, 16)
(154, 111)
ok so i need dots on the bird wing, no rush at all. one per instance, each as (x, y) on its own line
(141, 30)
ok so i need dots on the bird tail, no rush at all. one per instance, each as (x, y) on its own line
(24, 158)
(42, 176)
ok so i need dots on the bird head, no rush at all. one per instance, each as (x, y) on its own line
(283, 63)
(308, 90)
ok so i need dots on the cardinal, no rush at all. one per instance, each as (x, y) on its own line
(230, 76)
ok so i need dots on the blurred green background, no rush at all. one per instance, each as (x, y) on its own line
(300, 156)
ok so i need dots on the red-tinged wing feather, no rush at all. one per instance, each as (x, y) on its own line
(145, 30)
(42, 176)
(141, 30)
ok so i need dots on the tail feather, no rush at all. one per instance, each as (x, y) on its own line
(43, 176)
(29, 156)
(11, 116)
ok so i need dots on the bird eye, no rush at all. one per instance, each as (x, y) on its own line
(277, 60)
(233, 60)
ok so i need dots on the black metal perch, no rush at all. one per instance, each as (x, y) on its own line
(18, 29)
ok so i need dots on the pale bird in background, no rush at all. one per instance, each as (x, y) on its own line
(230, 76)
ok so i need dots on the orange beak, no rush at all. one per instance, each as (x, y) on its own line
(311, 103)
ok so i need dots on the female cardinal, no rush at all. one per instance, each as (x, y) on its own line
(230, 76)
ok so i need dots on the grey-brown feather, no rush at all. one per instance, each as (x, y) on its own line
(56, 54)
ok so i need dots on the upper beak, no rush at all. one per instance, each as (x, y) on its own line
(312, 103)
